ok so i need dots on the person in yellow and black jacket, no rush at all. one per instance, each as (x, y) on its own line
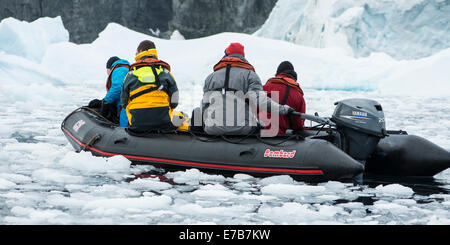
(150, 94)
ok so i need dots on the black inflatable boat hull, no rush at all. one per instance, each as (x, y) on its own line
(305, 160)
(311, 159)
(407, 155)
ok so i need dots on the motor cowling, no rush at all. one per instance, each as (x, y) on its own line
(363, 124)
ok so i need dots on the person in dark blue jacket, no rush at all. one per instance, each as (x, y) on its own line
(111, 105)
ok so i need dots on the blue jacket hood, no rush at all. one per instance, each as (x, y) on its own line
(121, 61)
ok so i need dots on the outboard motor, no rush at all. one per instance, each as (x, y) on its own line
(363, 125)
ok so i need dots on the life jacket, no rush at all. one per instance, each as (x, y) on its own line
(233, 62)
(150, 61)
(109, 80)
(227, 63)
(291, 83)
(149, 104)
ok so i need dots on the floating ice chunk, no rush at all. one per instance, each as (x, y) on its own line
(39, 153)
(217, 194)
(148, 194)
(31, 40)
(84, 161)
(278, 179)
(328, 197)
(394, 208)
(75, 187)
(53, 175)
(114, 191)
(198, 210)
(118, 163)
(6, 184)
(150, 184)
(13, 195)
(291, 213)
(243, 186)
(141, 203)
(65, 202)
(192, 176)
(21, 211)
(335, 185)
(352, 205)
(292, 191)
(31, 216)
(49, 217)
(394, 190)
(329, 211)
(16, 178)
(214, 191)
(243, 177)
(406, 202)
(438, 220)
(171, 193)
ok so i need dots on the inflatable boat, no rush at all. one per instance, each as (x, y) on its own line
(352, 142)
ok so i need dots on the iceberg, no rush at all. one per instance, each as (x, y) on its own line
(406, 29)
(31, 40)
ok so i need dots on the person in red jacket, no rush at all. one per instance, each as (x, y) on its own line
(290, 93)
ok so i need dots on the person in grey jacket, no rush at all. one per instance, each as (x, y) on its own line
(233, 94)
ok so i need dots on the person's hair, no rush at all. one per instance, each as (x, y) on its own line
(111, 61)
(145, 45)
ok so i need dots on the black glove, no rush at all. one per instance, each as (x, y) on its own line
(95, 104)
(109, 111)
(106, 108)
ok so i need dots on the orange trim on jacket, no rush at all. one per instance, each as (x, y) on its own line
(234, 62)
(150, 62)
(287, 81)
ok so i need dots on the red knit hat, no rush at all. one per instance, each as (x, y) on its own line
(235, 48)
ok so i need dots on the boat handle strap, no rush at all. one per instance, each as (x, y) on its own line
(91, 141)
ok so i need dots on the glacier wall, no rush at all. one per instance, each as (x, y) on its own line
(403, 29)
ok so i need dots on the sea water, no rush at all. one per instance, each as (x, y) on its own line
(43, 181)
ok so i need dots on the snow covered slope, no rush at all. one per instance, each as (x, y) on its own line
(192, 61)
(406, 29)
